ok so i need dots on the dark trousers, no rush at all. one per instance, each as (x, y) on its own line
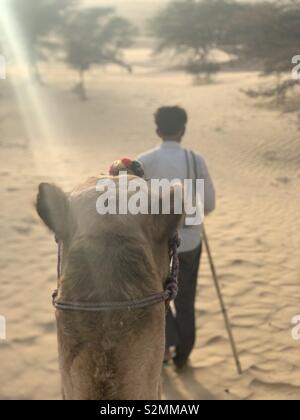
(181, 327)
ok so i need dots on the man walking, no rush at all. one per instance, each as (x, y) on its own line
(171, 161)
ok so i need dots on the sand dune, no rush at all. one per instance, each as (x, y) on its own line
(254, 156)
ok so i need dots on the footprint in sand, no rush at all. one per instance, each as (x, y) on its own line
(25, 340)
(219, 129)
(12, 189)
(23, 230)
(271, 156)
(284, 180)
(240, 262)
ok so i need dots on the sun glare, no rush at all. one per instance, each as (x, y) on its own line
(33, 106)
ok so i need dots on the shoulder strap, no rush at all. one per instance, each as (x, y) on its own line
(191, 174)
(191, 163)
(188, 166)
(195, 166)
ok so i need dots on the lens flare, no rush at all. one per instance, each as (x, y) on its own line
(33, 103)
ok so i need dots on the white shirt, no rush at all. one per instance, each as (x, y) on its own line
(168, 161)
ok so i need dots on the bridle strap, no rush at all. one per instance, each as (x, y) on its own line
(169, 294)
(103, 307)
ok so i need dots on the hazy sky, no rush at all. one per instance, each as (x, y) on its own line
(137, 10)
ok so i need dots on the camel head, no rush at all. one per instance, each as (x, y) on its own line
(108, 258)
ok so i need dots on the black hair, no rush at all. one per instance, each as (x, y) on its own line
(170, 120)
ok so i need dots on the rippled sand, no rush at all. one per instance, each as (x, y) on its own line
(254, 156)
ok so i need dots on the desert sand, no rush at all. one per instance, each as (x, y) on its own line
(254, 155)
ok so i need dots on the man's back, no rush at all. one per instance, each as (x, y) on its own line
(170, 161)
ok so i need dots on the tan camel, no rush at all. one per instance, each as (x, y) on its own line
(118, 354)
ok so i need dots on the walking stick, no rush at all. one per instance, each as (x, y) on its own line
(222, 303)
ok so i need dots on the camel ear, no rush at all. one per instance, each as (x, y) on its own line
(169, 221)
(53, 208)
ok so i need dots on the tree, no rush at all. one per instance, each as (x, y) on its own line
(194, 29)
(36, 22)
(95, 36)
(269, 33)
(202, 69)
